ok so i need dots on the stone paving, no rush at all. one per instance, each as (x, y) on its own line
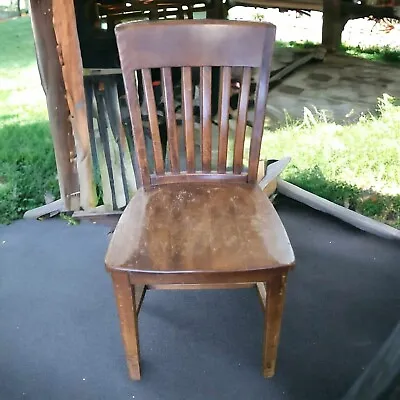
(344, 86)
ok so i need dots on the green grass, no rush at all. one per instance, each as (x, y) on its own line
(357, 166)
(27, 165)
(373, 53)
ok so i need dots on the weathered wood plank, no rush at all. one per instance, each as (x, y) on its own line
(53, 85)
(70, 58)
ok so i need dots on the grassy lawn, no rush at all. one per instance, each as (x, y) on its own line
(27, 165)
(356, 165)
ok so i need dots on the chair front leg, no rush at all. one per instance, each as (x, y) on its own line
(126, 305)
(276, 286)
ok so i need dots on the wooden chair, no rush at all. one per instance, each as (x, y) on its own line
(198, 228)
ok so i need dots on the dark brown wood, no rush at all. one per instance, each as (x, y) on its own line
(59, 116)
(206, 122)
(260, 107)
(257, 39)
(215, 278)
(197, 43)
(126, 306)
(197, 177)
(200, 228)
(195, 286)
(153, 119)
(168, 92)
(276, 287)
(241, 121)
(226, 76)
(187, 103)
(136, 117)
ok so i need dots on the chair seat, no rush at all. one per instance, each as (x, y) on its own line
(199, 228)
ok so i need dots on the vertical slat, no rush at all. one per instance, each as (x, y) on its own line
(168, 93)
(114, 115)
(260, 106)
(224, 98)
(206, 122)
(153, 121)
(103, 130)
(132, 95)
(187, 103)
(241, 121)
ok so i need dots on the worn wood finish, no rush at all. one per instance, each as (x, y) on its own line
(276, 287)
(153, 119)
(202, 286)
(187, 103)
(241, 121)
(168, 92)
(53, 85)
(225, 88)
(197, 43)
(200, 228)
(206, 122)
(198, 177)
(126, 306)
(257, 39)
(70, 59)
(136, 117)
(260, 107)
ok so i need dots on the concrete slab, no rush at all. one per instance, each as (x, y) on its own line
(342, 87)
(60, 338)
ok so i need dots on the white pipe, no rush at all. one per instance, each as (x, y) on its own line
(318, 203)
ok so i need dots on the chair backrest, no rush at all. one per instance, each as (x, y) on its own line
(189, 46)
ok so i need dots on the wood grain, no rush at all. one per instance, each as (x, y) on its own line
(53, 85)
(153, 120)
(65, 30)
(226, 75)
(168, 92)
(126, 306)
(276, 287)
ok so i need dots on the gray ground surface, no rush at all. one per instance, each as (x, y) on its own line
(344, 87)
(59, 334)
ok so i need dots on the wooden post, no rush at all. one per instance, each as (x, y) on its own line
(333, 24)
(65, 29)
(53, 86)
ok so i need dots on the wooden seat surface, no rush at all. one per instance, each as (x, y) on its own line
(200, 229)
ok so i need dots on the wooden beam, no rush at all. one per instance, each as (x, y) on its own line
(70, 58)
(201, 286)
(99, 216)
(53, 85)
